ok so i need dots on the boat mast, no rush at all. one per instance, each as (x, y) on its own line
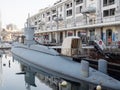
(28, 20)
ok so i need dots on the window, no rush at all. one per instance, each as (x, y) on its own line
(68, 5)
(53, 11)
(79, 2)
(60, 15)
(78, 9)
(104, 2)
(53, 17)
(43, 15)
(109, 12)
(112, 11)
(39, 20)
(48, 18)
(111, 2)
(35, 23)
(69, 12)
(108, 2)
(48, 13)
(106, 13)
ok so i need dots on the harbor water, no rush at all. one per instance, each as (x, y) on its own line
(15, 75)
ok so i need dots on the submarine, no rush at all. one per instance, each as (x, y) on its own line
(49, 60)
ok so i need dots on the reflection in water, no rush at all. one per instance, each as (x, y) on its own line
(28, 86)
(53, 82)
(9, 63)
(6, 56)
(11, 81)
(0, 69)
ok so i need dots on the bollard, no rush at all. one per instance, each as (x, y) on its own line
(64, 83)
(102, 66)
(98, 87)
(85, 68)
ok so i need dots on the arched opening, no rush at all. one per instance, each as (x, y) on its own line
(108, 36)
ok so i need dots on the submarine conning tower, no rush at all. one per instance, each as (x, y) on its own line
(29, 33)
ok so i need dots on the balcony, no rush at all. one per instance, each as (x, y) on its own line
(79, 2)
(42, 23)
(88, 10)
(109, 19)
(56, 19)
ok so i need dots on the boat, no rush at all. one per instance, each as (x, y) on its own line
(49, 60)
(72, 46)
(5, 46)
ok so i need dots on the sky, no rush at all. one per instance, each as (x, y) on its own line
(16, 11)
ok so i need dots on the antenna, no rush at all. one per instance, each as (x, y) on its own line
(28, 21)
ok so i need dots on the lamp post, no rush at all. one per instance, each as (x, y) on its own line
(57, 19)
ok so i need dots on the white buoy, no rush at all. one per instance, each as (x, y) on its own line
(102, 65)
(98, 87)
(85, 68)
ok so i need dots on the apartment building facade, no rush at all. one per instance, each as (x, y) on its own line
(83, 18)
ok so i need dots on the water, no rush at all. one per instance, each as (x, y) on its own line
(16, 75)
(9, 80)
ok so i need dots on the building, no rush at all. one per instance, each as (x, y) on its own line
(11, 33)
(83, 18)
(0, 26)
(11, 27)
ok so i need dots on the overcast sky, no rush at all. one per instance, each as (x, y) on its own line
(16, 11)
